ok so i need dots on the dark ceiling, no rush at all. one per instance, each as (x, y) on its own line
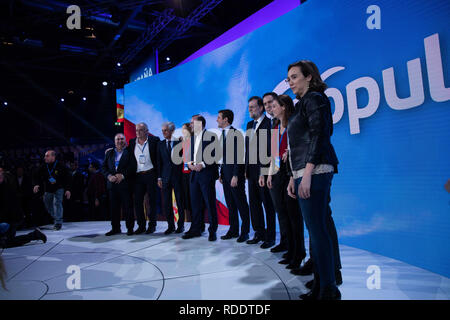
(42, 61)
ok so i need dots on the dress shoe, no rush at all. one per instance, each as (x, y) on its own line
(39, 235)
(305, 270)
(279, 248)
(188, 235)
(255, 240)
(130, 232)
(284, 261)
(267, 244)
(309, 284)
(310, 296)
(150, 229)
(293, 265)
(169, 231)
(179, 230)
(228, 236)
(338, 276)
(112, 232)
(242, 238)
(57, 227)
(139, 230)
(330, 293)
(212, 236)
(286, 255)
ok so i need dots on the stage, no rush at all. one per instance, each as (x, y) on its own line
(160, 267)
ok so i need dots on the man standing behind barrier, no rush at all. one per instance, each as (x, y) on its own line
(143, 150)
(54, 177)
(169, 178)
(117, 168)
(232, 176)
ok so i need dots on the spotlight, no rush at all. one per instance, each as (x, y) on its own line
(5, 103)
(118, 64)
(105, 83)
(62, 99)
(84, 99)
(168, 59)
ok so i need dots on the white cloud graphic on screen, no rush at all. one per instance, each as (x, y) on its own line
(144, 112)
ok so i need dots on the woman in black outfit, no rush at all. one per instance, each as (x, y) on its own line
(278, 180)
(313, 162)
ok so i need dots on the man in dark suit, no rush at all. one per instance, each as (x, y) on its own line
(169, 178)
(117, 168)
(203, 179)
(143, 151)
(232, 176)
(255, 168)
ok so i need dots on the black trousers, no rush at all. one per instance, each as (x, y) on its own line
(257, 197)
(174, 184)
(12, 241)
(120, 198)
(203, 189)
(334, 239)
(236, 200)
(145, 183)
(185, 182)
(289, 216)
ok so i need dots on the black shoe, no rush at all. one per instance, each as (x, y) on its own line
(309, 296)
(284, 261)
(242, 238)
(112, 232)
(212, 236)
(279, 248)
(39, 235)
(305, 270)
(228, 236)
(267, 244)
(293, 265)
(338, 276)
(150, 229)
(179, 230)
(189, 235)
(285, 255)
(140, 230)
(169, 231)
(310, 284)
(130, 232)
(255, 240)
(330, 293)
(57, 227)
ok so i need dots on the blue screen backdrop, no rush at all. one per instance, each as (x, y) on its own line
(389, 89)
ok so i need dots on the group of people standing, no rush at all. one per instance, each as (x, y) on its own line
(293, 182)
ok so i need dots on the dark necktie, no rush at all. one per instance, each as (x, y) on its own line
(169, 147)
(254, 124)
(272, 123)
(223, 146)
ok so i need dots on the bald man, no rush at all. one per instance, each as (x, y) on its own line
(55, 180)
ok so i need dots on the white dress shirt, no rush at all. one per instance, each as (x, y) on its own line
(141, 152)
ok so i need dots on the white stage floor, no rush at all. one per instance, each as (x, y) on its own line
(169, 268)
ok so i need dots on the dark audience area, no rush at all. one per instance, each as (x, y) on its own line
(88, 201)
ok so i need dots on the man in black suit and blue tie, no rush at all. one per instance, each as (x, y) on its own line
(117, 168)
(169, 178)
(254, 170)
(203, 180)
(232, 176)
